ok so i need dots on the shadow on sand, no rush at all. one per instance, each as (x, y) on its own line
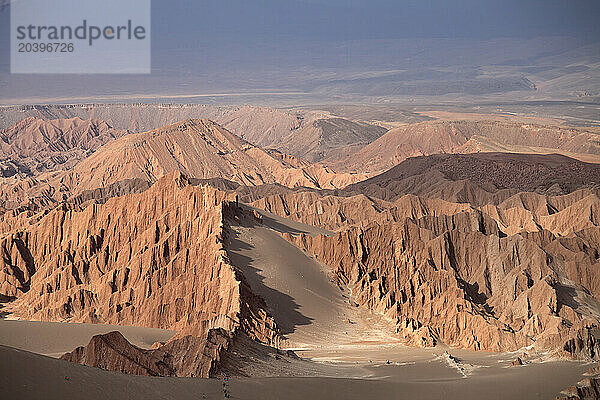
(282, 306)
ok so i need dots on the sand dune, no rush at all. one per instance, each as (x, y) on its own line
(310, 309)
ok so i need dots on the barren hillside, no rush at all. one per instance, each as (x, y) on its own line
(200, 149)
(480, 178)
(159, 264)
(34, 145)
(435, 137)
(312, 135)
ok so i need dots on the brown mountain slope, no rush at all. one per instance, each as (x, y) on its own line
(437, 185)
(440, 272)
(479, 178)
(251, 121)
(501, 276)
(444, 185)
(35, 145)
(328, 138)
(309, 135)
(152, 259)
(261, 126)
(433, 137)
(200, 149)
(312, 135)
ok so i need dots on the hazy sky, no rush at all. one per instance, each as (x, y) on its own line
(358, 19)
(204, 38)
(185, 23)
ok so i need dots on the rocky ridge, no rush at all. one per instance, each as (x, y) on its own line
(152, 259)
(435, 137)
(458, 279)
(485, 251)
(200, 149)
(479, 179)
(586, 389)
(312, 135)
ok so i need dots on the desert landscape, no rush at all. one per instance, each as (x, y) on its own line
(422, 258)
(300, 199)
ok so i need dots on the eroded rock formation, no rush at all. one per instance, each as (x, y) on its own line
(200, 149)
(111, 351)
(152, 259)
(586, 389)
(35, 145)
(458, 278)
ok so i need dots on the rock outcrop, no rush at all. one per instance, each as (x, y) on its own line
(335, 212)
(152, 259)
(460, 280)
(187, 356)
(490, 251)
(516, 362)
(586, 389)
(111, 351)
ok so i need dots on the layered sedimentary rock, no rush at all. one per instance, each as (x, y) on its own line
(484, 251)
(111, 351)
(312, 135)
(328, 138)
(200, 149)
(459, 279)
(152, 259)
(35, 152)
(523, 212)
(187, 356)
(334, 212)
(519, 191)
(586, 389)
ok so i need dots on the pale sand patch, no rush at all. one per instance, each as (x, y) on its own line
(313, 313)
(25, 375)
